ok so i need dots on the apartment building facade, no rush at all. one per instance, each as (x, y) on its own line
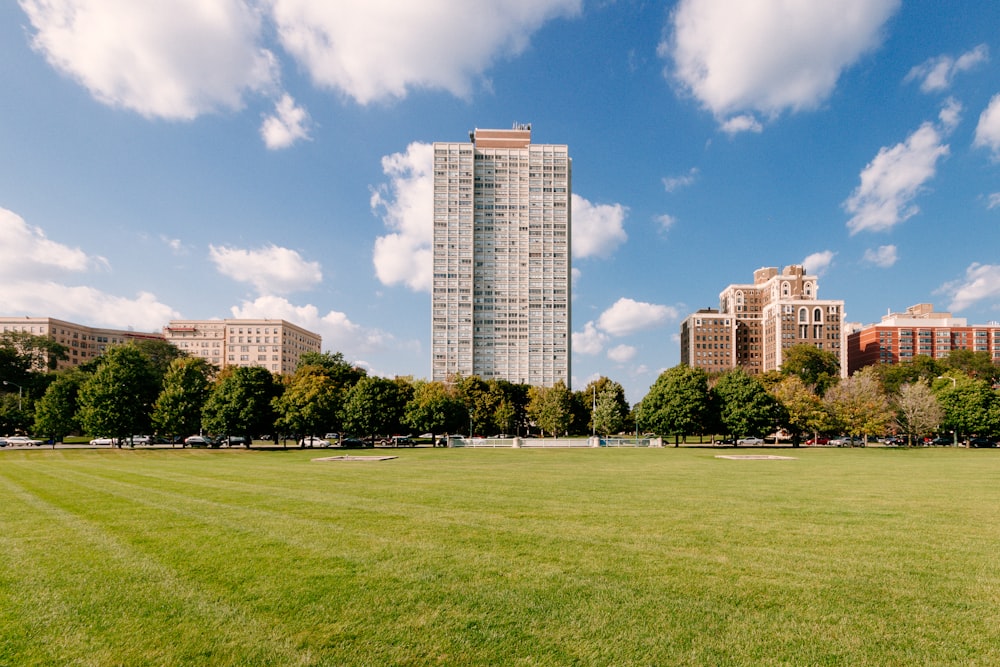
(756, 322)
(920, 330)
(272, 344)
(82, 343)
(501, 252)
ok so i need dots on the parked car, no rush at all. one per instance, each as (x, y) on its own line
(973, 442)
(353, 443)
(847, 441)
(104, 441)
(398, 441)
(724, 441)
(821, 440)
(3, 442)
(199, 441)
(22, 441)
(943, 441)
(753, 442)
(141, 440)
(313, 441)
(238, 441)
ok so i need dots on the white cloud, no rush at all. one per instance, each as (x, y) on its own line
(982, 281)
(288, 124)
(674, 183)
(883, 256)
(590, 340)
(627, 316)
(666, 222)
(338, 331)
(175, 245)
(988, 128)
(598, 229)
(742, 123)
(936, 74)
(406, 206)
(173, 60)
(769, 56)
(380, 49)
(26, 252)
(621, 353)
(891, 181)
(271, 270)
(817, 263)
(993, 200)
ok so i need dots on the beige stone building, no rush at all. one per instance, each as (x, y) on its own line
(82, 343)
(501, 287)
(756, 322)
(272, 344)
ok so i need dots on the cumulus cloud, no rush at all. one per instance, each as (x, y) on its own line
(936, 74)
(28, 260)
(271, 270)
(817, 263)
(892, 180)
(598, 229)
(621, 353)
(883, 256)
(982, 281)
(768, 56)
(173, 60)
(338, 331)
(993, 200)
(988, 128)
(27, 253)
(405, 205)
(380, 49)
(742, 123)
(626, 316)
(590, 340)
(289, 123)
(674, 183)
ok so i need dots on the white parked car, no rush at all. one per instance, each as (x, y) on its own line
(22, 441)
(313, 441)
(753, 442)
(104, 441)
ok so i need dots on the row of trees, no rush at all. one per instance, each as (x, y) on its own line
(152, 386)
(807, 396)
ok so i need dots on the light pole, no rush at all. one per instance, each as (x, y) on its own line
(954, 385)
(19, 390)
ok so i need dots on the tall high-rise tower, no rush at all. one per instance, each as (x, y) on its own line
(501, 293)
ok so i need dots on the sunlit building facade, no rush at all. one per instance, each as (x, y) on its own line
(501, 287)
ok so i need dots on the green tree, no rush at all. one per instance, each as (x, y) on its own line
(610, 410)
(918, 411)
(311, 403)
(815, 367)
(859, 405)
(894, 376)
(374, 406)
(550, 408)
(744, 406)
(240, 403)
(338, 369)
(480, 403)
(56, 410)
(435, 409)
(677, 404)
(970, 405)
(978, 365)
(186, 387)
(802, 409)
(22, 352)
(117, 399)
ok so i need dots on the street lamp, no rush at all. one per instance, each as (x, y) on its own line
(19, 390)
(954, 385)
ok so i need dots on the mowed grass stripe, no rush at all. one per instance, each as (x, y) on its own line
(621, 557)
(104, 592)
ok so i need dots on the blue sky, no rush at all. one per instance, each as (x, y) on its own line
(227, 158)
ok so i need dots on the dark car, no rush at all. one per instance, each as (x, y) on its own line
(942, 441)
(353, 443)
(981, 442)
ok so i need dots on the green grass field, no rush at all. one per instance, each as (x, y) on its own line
(499, 557)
